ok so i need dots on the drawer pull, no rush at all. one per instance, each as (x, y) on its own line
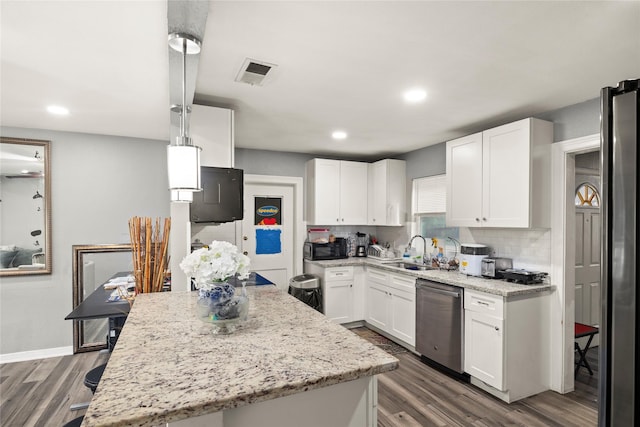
(486, 304)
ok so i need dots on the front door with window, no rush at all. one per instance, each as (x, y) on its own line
(587, 270)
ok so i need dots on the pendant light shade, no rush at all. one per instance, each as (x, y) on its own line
(183, 164)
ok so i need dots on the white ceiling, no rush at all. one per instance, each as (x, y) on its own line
(340, 65)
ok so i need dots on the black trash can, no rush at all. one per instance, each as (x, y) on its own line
(306, 287)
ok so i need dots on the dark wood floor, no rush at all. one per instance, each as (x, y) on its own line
(418, 395)
(39, 393)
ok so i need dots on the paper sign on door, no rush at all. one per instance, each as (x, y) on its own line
(268, 241)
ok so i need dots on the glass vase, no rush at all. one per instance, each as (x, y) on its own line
(223, 306)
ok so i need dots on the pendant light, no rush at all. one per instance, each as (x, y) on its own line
(183, 158)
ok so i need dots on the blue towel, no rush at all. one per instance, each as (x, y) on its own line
(268, 241)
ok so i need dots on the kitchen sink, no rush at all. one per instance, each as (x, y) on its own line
(407, 265)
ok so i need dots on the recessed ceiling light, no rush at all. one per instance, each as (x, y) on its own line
(415, 95)
(57, 109)
(339, 134)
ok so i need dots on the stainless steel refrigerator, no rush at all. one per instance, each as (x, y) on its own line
(620, 335)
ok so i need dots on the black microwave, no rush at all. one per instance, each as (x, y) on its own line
(321, 251)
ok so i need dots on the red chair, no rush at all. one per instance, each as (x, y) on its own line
(582, 330)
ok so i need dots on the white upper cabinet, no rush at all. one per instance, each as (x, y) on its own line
(501, 177)
(211, 129)
(336, 192)
(387, 192)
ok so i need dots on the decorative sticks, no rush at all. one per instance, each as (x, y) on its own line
(149, 252)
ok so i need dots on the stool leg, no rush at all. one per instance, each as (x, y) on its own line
(79, 406)
(582, 361)
(584, 355)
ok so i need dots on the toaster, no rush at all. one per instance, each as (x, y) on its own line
(492, 267)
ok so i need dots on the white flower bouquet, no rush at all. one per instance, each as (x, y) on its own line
(211, 267)
(217, 263)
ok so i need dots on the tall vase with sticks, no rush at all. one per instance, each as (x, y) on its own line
(149, 248)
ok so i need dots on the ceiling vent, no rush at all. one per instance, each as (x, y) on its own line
(255, 73)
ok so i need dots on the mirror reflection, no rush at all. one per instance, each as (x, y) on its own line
(25, 222)
(93, 265)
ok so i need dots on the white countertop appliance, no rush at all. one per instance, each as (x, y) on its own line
(471, 255)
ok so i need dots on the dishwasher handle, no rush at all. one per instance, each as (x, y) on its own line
(454, 294)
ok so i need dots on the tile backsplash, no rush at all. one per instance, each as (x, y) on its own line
(530, 249)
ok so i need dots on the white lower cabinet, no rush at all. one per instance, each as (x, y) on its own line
(342, 291)
(484, 348)
(377, 299)
(338, 301)
(391, 304)
(507, 343)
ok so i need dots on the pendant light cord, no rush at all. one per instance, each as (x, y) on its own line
(183, 122)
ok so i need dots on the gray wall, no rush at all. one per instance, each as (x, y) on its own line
(97, 183)
(426, 161)
(575, 120)
(277, 163)
(569, 122)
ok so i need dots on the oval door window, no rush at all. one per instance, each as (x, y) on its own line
(587, 195)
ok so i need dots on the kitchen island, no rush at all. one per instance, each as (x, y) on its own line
(287, 365)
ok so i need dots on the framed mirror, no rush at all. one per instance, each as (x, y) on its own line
(93, 265)
(25, 207)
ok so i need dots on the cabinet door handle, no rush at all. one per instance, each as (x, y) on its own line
(337, 219)
(497, 329)
(351, 286)
(477, 219)
(484, 219)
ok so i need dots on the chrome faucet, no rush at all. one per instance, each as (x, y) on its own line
(424, 246)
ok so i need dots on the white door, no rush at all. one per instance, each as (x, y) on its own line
(326, 206)
(339, 300)
(588, 267)
(268, 231)
(378, 305)
(353, 193)
(505, 175)
(403, 316)
(484, 348)
(464, 181)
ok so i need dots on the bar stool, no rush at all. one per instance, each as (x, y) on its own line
(91, 380)
(76, 422)
(582, 330)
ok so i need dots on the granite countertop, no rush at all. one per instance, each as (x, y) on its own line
(455, 278)
(167, 366)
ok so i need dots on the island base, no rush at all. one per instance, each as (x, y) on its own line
(348, 404)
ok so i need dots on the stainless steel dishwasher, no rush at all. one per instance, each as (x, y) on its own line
(440, 323)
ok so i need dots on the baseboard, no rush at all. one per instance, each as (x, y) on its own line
(23, 356)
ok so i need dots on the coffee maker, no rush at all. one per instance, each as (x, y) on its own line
(361, 244)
